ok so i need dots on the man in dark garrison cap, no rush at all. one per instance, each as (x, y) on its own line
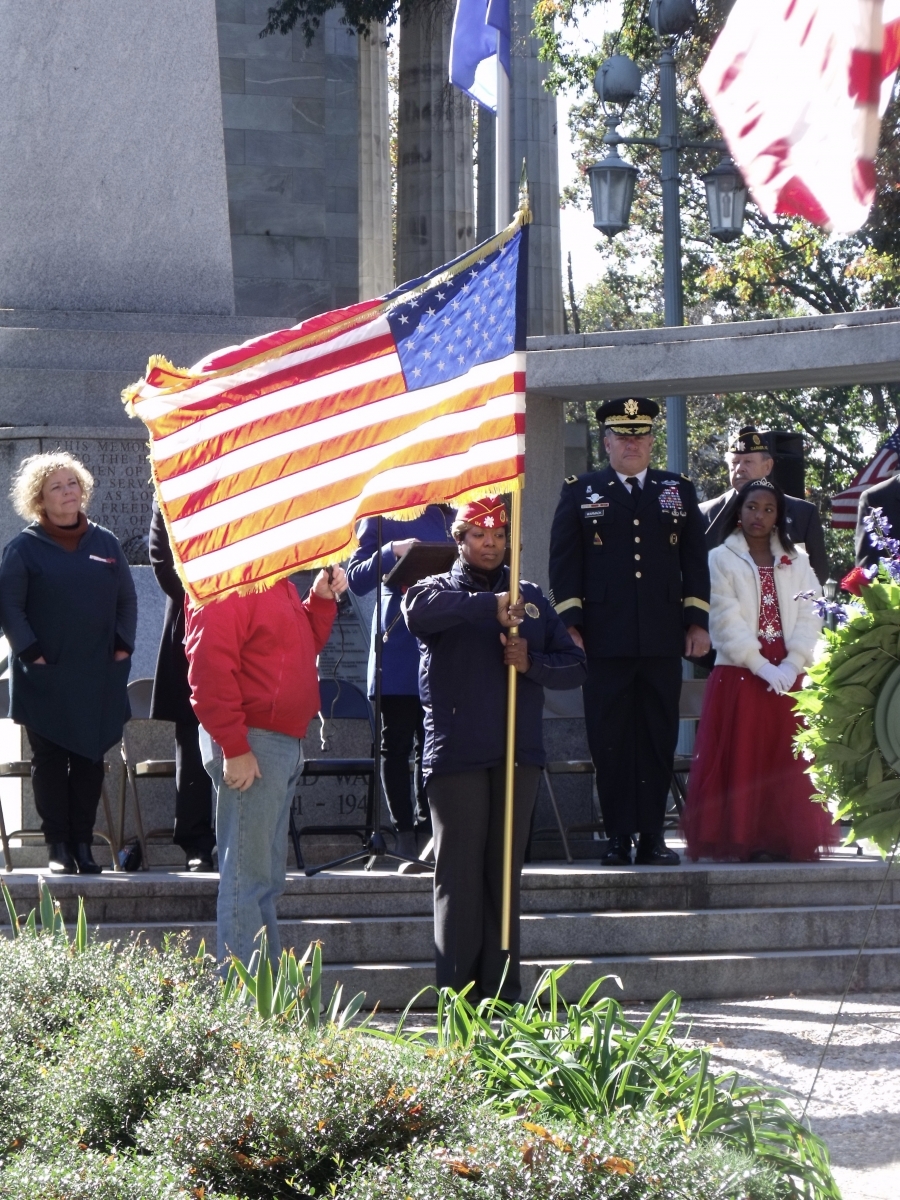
(748, 458)
(629, 577)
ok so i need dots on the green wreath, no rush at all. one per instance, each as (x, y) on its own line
(851, 706)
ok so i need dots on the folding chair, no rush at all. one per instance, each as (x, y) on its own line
(559, 705)
(139, 694)
(340, 700)
(22, 770)
(690, 706)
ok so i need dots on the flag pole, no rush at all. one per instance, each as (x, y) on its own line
(501, 153)
(515, 535)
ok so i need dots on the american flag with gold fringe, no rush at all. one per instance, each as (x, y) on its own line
(265, 455)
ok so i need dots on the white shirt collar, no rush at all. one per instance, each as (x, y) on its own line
(641, 477)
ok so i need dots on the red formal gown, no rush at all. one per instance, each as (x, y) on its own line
(747, 792)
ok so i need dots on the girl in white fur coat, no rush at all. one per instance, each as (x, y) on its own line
(749, 798)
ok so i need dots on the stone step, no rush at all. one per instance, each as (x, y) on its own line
(544, 935)
(649, 977)
(159, 895)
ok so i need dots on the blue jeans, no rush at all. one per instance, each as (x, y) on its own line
(251, 833)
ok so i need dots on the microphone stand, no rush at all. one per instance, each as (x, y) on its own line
(375, 847)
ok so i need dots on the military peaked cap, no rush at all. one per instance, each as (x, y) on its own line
(633, 415)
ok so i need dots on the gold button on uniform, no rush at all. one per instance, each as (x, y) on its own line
(637, 539)
(637, 574)
(637, 558)
(636, 521)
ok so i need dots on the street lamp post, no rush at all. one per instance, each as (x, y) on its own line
(612, 179)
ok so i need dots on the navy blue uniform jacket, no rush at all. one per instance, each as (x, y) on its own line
(633, 578)
(462, 679)
(73, 604)
(400, 655)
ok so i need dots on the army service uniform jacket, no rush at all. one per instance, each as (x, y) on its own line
(633, 574)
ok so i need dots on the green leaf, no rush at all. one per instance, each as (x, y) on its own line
(46, 907)
(81, 930)
(875, 773)
(879, 823)
(264, 981)
(889, 789)
(10, 910)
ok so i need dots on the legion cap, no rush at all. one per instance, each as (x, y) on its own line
(488, 513)
(749, 441)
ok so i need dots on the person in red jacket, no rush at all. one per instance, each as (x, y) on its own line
(254, 688)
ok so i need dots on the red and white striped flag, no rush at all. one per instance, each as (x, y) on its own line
(845, 506)
(798, 88)
(266, 455)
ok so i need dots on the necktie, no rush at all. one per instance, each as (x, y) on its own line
(635, 486)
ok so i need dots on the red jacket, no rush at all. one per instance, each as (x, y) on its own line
(252, 663)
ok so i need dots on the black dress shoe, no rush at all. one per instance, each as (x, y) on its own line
(618, 852)
(84, 859)
(61, 860)
(200, 862)
(652, 851)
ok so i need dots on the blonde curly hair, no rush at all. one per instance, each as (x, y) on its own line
(33, 473)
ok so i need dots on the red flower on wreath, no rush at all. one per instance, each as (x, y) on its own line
(784, 561)
(856, 580)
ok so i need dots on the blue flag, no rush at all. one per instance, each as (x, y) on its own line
(481, 30)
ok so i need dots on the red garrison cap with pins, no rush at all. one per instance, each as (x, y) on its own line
(488, 513)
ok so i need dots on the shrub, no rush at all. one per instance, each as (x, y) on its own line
(134, 1073)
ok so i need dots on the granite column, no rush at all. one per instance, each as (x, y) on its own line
(376, 249)
(435, 182)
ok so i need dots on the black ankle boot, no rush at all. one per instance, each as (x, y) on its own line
(61, 860)
(84, 859)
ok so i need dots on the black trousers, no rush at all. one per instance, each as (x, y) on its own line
(467, 814)
(194, 831)
(631, 715)
(402, 729)
(66, 790)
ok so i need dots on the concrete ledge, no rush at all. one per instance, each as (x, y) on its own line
(834, 350)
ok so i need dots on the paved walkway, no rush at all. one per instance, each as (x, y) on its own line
(856, 1104)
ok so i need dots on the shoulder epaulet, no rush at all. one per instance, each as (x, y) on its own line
(687, 477)
(571, 479)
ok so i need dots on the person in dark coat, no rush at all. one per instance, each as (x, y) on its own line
(750, 458)
(460, 620)
(171, 701)
(885, 496)
(629, 576)
(402, 728)
(69, 611)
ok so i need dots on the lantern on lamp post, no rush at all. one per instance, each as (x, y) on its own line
(612, 179)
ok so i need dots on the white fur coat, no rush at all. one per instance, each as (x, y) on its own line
(734, 604)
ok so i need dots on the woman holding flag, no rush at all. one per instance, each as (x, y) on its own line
(461, 620)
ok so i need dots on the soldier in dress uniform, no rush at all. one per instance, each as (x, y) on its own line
(629, 577)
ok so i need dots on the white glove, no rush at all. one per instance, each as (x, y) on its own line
(788, 674)
(773, 677)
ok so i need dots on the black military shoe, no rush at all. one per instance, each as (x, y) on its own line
(201, 862)
(652, 851)
(84, 859)
(60, 859)
(618, 852)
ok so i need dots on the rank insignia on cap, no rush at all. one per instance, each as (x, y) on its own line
(632, 415)
(487, 513)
